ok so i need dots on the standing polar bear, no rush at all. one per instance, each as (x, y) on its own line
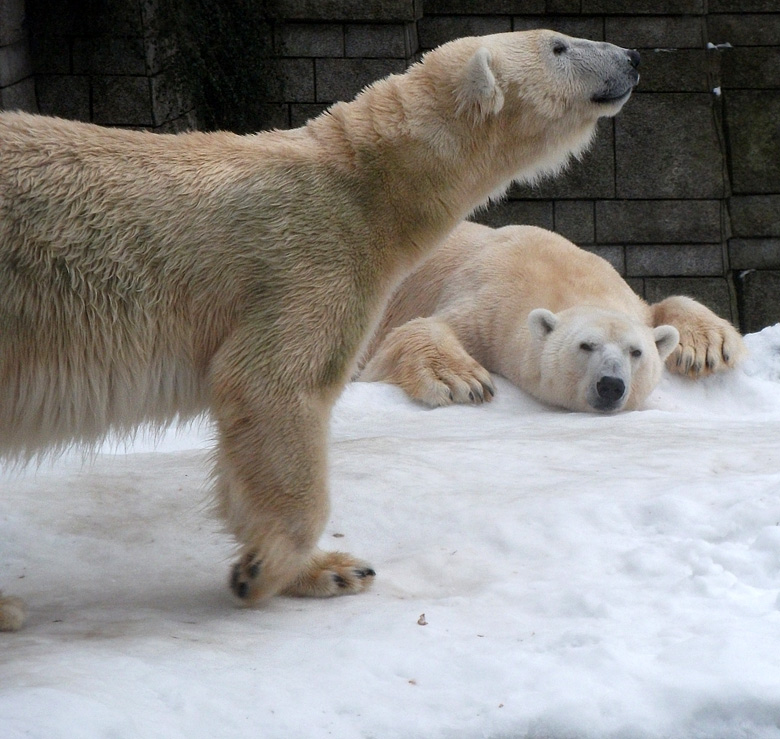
(150, 277)
(554, 319)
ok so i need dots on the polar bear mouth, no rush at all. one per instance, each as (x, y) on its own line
(613, 96)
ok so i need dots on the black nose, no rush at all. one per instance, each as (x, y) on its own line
(633, 57)
(610, 388)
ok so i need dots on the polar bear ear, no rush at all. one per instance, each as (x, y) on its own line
(478, 93)
(541, 322)
(666, 340)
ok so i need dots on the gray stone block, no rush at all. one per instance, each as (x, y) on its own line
(755, 215)
(342, 79)
(51, 19)
(111, 55)
(122, 101)
(667, 146)
(674, 260)
(274, 115)
(743, 6)
(658, 221)
(12, 21)
(637, 285)
(752, 68)
(754, 254)
(643, 7)
(436, 30)
(743, 29)
(484, 7)
(679, 32)
(375, 40)
(562, 6)
(160, 54)
(592, 176)
(169, 100)
(511, 212)
(20, 96)
(714, 292)
(673, 70)
(590, 28)
(345, 10)
(615, 255)
(65, 96)
(754, 143)
(51, 55)
(186, 122)
(300, 113)
(759, 305)
(110, 18)
(15, 63)
(576, 220)
(292, 81)
(309, 39)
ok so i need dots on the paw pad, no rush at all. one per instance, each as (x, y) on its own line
(244, 573)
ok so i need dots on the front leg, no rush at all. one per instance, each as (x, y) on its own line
(272, 489)
(427, 360)
(708, 343)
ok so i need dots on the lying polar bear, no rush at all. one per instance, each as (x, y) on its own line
(149, 277)
(554, 319)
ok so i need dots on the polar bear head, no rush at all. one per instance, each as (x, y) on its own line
(592, 359)
(537, 94)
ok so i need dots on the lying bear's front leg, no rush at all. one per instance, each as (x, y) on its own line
(272, 491)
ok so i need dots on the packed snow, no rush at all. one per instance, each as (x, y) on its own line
(540, 573)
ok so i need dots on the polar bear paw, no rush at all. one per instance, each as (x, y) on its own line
(708, 343)
(332, 573)
(426, 359)
(324, 575)
(12, 613)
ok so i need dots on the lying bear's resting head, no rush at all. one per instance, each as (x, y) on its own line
(592, 359)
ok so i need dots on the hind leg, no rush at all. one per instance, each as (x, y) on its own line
(272, 492)
(427, 360)
(12, 613)
(708, 343)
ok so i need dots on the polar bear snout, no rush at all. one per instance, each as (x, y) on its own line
(610, 391)
(621, 79)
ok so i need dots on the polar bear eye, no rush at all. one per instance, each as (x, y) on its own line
(559, 47)
(636, 353)
(586, 347)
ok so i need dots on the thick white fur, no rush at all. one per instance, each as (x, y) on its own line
(146, 277)
(522, 301)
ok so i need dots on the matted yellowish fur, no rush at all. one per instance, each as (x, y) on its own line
(150, 277)
(556, 320)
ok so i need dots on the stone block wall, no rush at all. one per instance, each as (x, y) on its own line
(104, 61)
(17, 83)
(681, 192)
(329, 51)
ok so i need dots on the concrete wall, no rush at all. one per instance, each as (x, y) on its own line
(681, 192)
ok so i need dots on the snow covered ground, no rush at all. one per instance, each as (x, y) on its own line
(579, 576)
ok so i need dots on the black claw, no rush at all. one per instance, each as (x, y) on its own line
(254, 569)
(367, 572)
(242, 591)
(234, 576)
(471, 396)
(489, 390)
(340, 581)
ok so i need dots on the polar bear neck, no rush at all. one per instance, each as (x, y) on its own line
(429, 167)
